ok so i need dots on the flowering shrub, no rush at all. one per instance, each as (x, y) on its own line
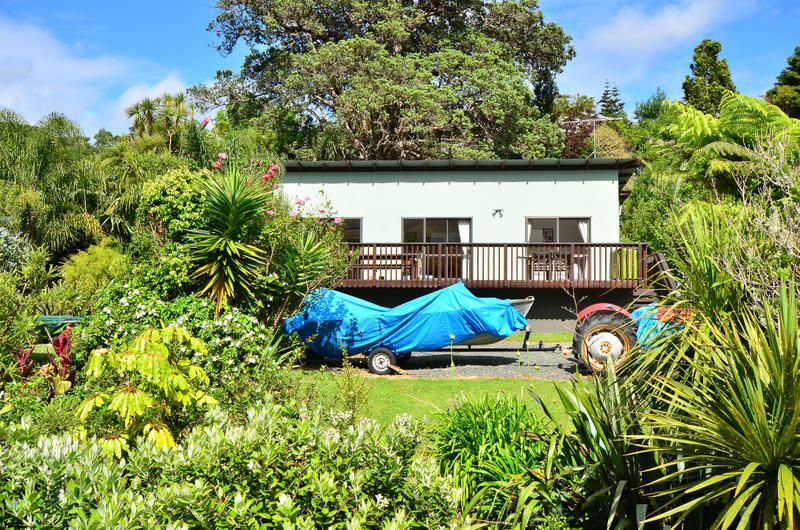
(281, 468)
(13, 250)
(237, 342)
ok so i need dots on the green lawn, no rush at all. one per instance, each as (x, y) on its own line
(422, 399)
(559, 337)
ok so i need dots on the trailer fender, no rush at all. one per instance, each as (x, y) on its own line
(602, 307)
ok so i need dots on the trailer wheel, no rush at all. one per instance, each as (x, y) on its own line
(380, 359)
(600, 337)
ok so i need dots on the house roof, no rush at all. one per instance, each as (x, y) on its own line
(624, 166)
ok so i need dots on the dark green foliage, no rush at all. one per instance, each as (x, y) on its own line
(502, 456)
(395, 79)
(611, 105)
(17, 326)
(786, 92)
(710, 78)
(599, 445)
(652, 107)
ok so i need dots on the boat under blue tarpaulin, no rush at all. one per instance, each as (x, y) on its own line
(334, 324)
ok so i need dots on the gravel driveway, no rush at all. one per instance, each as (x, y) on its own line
(504, 359)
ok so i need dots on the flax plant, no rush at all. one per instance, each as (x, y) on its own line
(729, 440)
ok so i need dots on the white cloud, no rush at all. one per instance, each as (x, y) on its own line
(40, 74)
(644, 42)
(633, 32)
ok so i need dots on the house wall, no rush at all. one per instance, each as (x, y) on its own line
(383, 198)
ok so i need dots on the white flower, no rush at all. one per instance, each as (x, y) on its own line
(251, 360)
(107, 310)
(136, 291)
(381, 502)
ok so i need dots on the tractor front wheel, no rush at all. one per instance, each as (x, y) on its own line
(601, 338)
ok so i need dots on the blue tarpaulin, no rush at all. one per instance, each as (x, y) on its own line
(650, 327)
(331, 322)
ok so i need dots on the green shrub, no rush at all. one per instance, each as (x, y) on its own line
(172, 204)
(150, 381)
(281, 468)
(27, 411)
(239, 346)
(89, 270)
(17, 325)
(501, 454)
(13, 251)
(164, 267)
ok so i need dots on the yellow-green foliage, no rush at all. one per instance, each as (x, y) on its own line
(91, 269)
(610, 143)
(151, 378)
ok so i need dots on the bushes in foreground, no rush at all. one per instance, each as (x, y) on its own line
(284, 467)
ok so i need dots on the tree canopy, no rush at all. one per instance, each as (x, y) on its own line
(709, 79)
(786, 92)
(395, 78)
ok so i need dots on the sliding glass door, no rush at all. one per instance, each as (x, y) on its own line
(446, 262)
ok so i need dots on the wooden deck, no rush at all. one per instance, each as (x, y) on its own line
(498, 265)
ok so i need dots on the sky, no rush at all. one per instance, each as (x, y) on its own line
(90, 59)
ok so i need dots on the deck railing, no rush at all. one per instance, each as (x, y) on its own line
(498, 265)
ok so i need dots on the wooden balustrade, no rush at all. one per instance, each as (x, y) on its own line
(498, 265)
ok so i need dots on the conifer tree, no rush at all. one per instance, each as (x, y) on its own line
(611, 105)
(710, 78)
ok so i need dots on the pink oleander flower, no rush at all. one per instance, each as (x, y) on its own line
(337, 220)
(299, 201)
(265, 177)
(222, 156)
(276, 186)
(270, 212)
(322, 210)
(205, 121)
(273, 167)
(294, 213)
(216, 165)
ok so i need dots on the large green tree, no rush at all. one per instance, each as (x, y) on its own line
(786, 92)
(709, 79)
(395, 78)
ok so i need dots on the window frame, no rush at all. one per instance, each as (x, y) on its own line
(425, 227)
(360, 229)
(558, 234)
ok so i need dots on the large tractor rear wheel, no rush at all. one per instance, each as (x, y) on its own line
(603, 337)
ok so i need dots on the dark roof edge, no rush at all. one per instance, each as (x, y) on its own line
(623, 165)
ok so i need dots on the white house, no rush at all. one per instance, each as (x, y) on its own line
(494, 224)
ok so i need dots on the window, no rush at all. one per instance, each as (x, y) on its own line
(437, 230)
(558, 230)
(352, 230)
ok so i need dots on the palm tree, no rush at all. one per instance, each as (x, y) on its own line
(144, 114)
(227, 258)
